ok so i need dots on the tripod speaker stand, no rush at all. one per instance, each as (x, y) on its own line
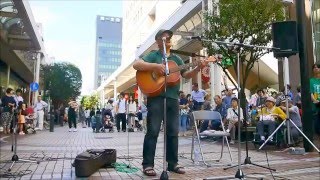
(15, 158)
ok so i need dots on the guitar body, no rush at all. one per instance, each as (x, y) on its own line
(152, 84)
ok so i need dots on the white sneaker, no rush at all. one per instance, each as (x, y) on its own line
(70, 129)
(75, 130)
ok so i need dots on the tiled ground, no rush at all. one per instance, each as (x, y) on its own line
(62, 147)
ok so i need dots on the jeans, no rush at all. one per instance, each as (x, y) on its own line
(183, 122)
(215, 124)
(271, 127)
(88, 121)
(154, 119)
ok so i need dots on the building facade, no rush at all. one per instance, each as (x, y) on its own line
(108, 47)
(22, 49)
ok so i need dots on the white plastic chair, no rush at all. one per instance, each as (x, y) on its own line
(209, 115)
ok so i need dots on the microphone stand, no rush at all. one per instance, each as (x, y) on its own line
(15, 158)
(164, 174)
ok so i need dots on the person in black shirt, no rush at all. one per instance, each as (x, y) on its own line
(8, 104)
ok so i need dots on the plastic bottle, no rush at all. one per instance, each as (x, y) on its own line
(196, 156)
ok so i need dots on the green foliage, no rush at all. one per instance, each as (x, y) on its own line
(242, 21)
(90, 101)
(64, 80)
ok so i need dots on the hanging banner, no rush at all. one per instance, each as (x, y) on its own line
(205, 74)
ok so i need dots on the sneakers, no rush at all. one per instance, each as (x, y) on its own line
(232, 142)
(21, 133)
(75, 130)
(70, 130)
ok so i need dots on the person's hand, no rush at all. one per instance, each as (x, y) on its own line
(159, 69)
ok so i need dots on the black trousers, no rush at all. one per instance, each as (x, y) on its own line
(72, 120)
(121, 117)
(154, 119)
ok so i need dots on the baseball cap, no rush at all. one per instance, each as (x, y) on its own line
(161, 32)
(271, 99)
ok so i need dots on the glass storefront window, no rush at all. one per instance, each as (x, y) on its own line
(316, 27)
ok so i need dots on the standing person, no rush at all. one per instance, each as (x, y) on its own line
(39, 108)
(184, 111)
(132, 109)
(315, 96)
(232, 118)
(8, 104)
(18, 98)
(87, 115)
(22, 117)
(73, 106)
(227, 99)
(144, 113)
(121, 109)
(154, 62)
(197, 96)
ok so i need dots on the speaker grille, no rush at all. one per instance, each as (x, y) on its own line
(284, 36)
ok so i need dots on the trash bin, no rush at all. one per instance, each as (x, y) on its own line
(51, 122)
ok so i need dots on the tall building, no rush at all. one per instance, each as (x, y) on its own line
(108, 47)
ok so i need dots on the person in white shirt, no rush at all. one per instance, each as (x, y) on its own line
(197, 96)
(18, 98)
(39, 108)
(232, 118)
(121, 108)
(132, 109)
(87, 115)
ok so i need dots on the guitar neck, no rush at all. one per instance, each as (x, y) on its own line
(185, 66)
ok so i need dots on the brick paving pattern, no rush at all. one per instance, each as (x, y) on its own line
(63, 146)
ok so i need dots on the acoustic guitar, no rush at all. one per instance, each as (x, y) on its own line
(152, 84)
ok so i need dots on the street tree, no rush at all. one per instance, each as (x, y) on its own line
(63, 80)
(241, 21)
(90, 102)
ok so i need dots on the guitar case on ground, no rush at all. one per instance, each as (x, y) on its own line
(92, 160)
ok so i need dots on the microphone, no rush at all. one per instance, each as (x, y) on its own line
(192, 37)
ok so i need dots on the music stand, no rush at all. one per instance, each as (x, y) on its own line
(15, 158)
(164, 174)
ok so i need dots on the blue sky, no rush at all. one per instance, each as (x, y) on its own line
(69, 30)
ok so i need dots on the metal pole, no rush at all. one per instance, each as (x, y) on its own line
(239, 173)
(286, 82)
(308, 124)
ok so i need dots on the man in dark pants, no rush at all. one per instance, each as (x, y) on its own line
(153, 62)
(121, 109)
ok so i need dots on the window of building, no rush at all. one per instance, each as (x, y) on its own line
(316, 28)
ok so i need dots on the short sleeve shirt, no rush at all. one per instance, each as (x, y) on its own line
(315, 89)
(156, 57)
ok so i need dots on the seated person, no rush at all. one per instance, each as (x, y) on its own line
(268, 117)
(232, 118)
(294, 115)
(215, 124)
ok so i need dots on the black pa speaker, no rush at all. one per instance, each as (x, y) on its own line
(285, 37)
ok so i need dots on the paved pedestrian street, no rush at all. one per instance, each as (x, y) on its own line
(57, 150)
